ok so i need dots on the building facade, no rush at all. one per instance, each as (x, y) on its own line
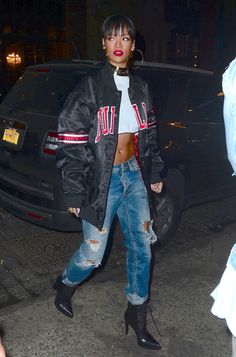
(195, 33)
(33, 31)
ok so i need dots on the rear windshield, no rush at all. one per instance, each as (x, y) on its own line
(160, 85)
(42, 91)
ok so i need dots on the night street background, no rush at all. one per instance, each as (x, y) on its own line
(195, 33)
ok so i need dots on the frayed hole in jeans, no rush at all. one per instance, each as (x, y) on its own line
(94, 245)
(89, 263)
(103, 231)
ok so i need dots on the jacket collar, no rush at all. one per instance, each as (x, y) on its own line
(108, 77)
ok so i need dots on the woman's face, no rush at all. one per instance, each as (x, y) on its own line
(118, 47)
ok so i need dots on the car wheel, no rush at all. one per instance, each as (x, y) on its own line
(167, 215)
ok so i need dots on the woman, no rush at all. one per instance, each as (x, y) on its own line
(109, 161)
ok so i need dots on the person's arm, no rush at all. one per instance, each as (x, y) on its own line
(74, 155)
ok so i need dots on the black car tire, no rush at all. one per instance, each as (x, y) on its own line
(166, 215)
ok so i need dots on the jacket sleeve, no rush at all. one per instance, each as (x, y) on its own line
(156, 160)
(74, 154)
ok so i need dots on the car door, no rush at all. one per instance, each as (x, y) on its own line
(209, 167)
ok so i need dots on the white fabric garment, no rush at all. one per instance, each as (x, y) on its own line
(127, 119)
(233, 346)
(229, 89)
(224, 294)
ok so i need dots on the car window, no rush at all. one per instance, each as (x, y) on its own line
(206, 100)
(160, 86)
(42, 91)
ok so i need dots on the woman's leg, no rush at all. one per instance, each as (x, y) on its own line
(91, 251)
(134, 216)
(89, 255)
(82, 263)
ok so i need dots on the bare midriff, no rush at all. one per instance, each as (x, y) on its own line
(125, 148)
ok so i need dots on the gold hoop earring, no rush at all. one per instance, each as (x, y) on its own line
(141, 60)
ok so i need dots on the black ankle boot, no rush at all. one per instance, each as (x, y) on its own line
(136, 317)
(63, 297)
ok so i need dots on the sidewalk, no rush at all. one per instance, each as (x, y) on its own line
(180, 302)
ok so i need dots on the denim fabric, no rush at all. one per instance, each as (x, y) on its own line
(229, 89)
(128, 199)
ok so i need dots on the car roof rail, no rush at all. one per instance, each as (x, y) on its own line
(135, 65)
(171, 66)
(63, 62)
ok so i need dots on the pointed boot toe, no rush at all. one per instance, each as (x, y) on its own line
(64, 307)
(148, 342)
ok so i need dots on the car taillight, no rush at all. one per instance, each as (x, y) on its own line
(51, 143)
(35, 216)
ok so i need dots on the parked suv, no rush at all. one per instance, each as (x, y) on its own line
(189, 110)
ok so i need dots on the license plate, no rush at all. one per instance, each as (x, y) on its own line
(11, 136)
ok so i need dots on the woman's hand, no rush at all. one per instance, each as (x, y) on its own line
(75, 211)
(157, 187)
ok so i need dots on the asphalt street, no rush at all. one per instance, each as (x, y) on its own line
(184, 274)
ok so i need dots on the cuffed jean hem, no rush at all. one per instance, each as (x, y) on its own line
(81, 275)
(134, 299)
(66, 281)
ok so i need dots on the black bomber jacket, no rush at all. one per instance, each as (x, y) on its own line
(88, 134)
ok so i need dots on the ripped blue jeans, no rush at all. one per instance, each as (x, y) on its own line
(128, 199)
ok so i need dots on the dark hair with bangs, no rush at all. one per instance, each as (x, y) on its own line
(115, 23)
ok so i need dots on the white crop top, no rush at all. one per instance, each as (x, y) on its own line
(127, 120)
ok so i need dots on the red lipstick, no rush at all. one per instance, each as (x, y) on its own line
(118, 53)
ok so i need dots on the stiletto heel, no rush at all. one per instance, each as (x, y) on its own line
(126, 327)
